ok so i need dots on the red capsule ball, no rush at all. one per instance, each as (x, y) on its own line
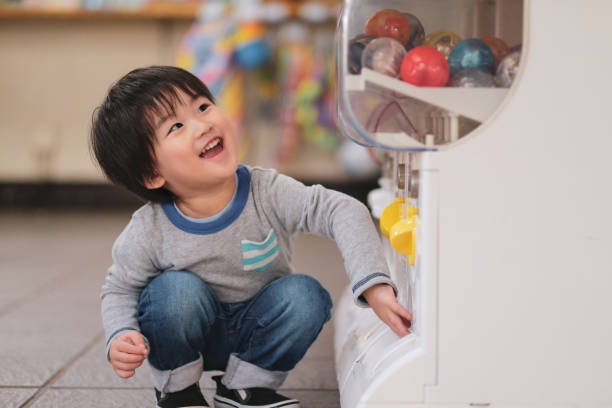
(425, 66)
(389, 23)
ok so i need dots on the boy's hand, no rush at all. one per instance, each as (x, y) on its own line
(127, 352)
(382, 300)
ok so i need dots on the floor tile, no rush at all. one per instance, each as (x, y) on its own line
(313, 373)
(92, 370)
(35, 343)
(95, 398)
(15, 397)
(40, 250)
(51, 270)
(316, 398)
(42, 335)
(52, 267)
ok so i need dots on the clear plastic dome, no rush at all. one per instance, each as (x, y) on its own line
(404, 97)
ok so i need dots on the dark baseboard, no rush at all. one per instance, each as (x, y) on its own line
(358, 189)
(92, 196)
(65, 196)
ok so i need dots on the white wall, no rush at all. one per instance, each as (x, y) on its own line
(53, 73)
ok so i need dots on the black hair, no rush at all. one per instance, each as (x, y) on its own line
(123, 132)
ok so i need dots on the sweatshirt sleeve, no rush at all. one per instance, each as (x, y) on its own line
(132, 269)
(321, 211)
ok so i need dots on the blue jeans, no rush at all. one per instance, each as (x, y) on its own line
(255, 342)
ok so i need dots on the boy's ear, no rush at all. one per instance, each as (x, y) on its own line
(154, 182)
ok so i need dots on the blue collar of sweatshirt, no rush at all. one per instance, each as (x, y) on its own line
(230, 214)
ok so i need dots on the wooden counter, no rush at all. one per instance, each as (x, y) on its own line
(186, 10)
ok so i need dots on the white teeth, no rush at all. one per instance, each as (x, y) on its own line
(211, 145)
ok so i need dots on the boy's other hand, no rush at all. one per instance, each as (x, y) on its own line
(382, 300)
(127, 352)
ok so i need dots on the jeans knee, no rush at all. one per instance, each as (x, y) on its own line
(308, 303)
(174, 298)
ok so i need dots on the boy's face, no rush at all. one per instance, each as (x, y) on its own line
(196, 150)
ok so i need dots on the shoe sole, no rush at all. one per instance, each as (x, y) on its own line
(221, 402)
(190, 406)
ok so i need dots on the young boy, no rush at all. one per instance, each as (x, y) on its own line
(201, 276)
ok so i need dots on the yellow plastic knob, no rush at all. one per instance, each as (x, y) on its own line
(390, 215)
(403, 235)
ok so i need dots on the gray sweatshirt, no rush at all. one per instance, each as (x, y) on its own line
(244, 249)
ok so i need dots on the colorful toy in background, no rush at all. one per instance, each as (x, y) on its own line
(206, 49)
(425, 66)
(251, 48)
(217, 49)
(231, 100)
(319, 128)
(305, 73)
(314, 101)
(294, 65)
(230, 52)
(440, 58)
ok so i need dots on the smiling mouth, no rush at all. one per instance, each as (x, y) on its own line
(212, 149)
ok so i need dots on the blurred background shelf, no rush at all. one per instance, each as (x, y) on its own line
(59, 62)
(187, 10)
(156, 10)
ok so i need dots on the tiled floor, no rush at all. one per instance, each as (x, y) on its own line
(51, 341)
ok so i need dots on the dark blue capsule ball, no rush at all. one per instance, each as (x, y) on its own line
(471, 53)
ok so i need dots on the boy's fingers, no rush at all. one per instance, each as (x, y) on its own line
(134, 338)
(405, 318)
(398, 325)
(126, 366)
(401, 310)
(124, 373)
(128, 358)
(396, 317)
(125, 347)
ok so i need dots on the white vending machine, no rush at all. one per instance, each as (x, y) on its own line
(496, 210)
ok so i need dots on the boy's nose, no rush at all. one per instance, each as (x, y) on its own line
(200, 127)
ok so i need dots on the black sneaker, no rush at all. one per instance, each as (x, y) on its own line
(190, 397)
(250, 397)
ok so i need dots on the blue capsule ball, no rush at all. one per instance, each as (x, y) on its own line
(471, 53)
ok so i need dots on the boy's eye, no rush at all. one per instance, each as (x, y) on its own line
(176, 126)
(203, 107)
